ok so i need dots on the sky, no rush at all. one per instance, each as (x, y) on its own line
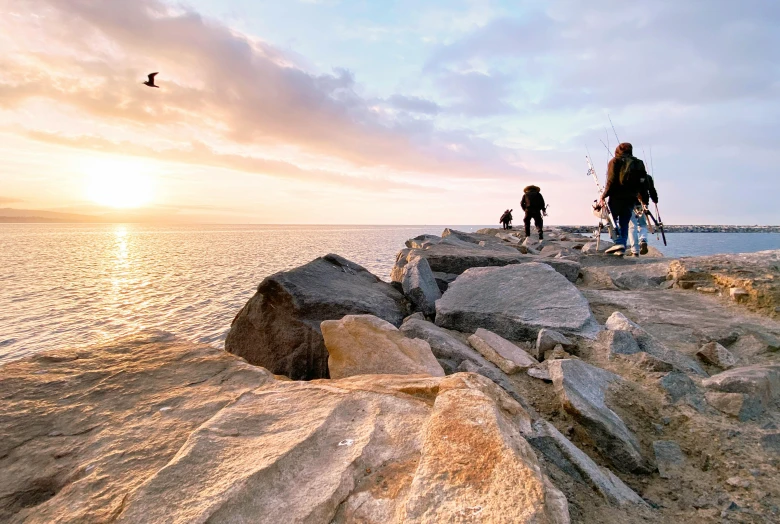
(386, 112)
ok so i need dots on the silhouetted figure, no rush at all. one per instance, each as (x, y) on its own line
(150, 82)
(626, 183)
(506, 219)
(533, 205)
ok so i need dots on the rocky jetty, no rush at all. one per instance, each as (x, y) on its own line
(496, 379)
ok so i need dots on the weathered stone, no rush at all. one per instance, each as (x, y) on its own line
(760, 384)
(419, 242)
(729, 403)
(367, 345)
(515, 302)
(669, 458)
(650, 363)
(548, 339)
(590, 247)
(397, 273)
(581, 389)
(556, 353)
(539, 373)
(420, 285)
(738, 294)
(715, 354)
(617, 342)
(501, 352)
(279, 327)
(649, 344)
(771, 442)
(454, 355)
(680, 387)
(571, 460)
(443, 280)
(456, 256)
(153, 431)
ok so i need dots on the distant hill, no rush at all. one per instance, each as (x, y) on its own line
(8, 214)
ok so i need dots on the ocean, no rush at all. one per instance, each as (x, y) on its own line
(76, 284)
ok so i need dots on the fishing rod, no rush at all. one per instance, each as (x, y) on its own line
(601, 212)
(613, 128)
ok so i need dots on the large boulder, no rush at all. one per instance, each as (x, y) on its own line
(455, 256)
(759, 386)
(582, 390)
(515, 302)
(419, 285)
(279, 327)
(151, 431)
(367, 345)
(649, 344)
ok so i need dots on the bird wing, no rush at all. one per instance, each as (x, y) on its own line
(151, 76)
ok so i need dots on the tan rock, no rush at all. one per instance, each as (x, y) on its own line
(367, 345)
(729, 403)
(160, 431)
(501, 352)
(717, 355)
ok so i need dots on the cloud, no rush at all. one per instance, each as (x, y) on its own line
(199, 153)
(414, 104)
(221, 81)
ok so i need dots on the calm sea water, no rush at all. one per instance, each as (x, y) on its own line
(73, 284)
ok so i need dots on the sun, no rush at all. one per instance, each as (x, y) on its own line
(119, 182)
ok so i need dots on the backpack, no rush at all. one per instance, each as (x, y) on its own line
(632, 173)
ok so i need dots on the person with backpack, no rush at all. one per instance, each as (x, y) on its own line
(637, 230)
(626, 182)
(506, 219)
(533, 205)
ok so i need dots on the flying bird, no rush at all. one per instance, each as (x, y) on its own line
(150, 82)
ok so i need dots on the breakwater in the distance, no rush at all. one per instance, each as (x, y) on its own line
(690, 229)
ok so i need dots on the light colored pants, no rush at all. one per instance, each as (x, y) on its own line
(637, 230)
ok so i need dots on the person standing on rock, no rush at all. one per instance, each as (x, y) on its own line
(626, 181)
(506, 219)
(533, 205)
(637, 230)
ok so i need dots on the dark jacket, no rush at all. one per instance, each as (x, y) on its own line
(649, 192)
(533, 201)
(632, 189)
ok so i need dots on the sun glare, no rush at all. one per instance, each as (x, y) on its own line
(119, 183)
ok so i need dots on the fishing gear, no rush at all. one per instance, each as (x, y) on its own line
(601, 212)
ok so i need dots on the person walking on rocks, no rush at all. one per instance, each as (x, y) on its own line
(533, 205)
(626, 181)
(506, 219)
(637, 230)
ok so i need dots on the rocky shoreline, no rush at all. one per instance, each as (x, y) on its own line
(494, 379)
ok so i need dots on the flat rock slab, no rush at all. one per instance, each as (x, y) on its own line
(501, 352)
(617, 342)
(515, 302)
(160, 431)
(367, 345)
(279, 327)
(669, 458)
(582, 390)
(456, 256)
(573, 461)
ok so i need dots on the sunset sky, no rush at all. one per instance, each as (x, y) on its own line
(380, 112)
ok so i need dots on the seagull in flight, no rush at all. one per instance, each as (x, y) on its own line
(150, 82)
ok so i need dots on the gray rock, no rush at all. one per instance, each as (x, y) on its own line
(617, 342)
(397, 273)
(548, 339)
(279, 327)
(539, 373)
(715, 354)
(421, 241)
(590, 247)
(760, 384)
(669, 458)
(456, 256)
(771, 442)
(507, 356)
(420, 286)
(648, 362)
(443, 280)
(680, 387)
(649, 344)
(515, 302)
(738, 405)
(581, 389)
(454, 355)
(574, 462)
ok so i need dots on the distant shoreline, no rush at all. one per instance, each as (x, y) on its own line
(690, 229)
